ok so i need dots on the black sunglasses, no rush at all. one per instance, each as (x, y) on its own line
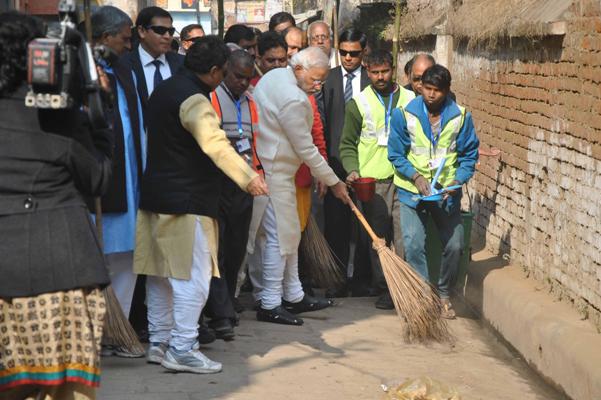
(193, 40)
(354, 53)
(161, 30)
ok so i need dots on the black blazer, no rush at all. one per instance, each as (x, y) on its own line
(175, 61)
(332, 109)
(115, 199)
(48, 160)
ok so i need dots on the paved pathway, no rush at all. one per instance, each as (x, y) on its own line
(345, 352)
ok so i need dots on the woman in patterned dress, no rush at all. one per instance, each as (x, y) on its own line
(51, 267)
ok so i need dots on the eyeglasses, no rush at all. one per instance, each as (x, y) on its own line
(416, 78)
(161, 30)
(322, 38)
(354, 53)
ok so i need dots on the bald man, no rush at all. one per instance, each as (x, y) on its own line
(319, 34)
(294, 39)
(421, 63)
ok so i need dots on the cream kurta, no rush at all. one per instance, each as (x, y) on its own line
(284, 142)
(164, 242)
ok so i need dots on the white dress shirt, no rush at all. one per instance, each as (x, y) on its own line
(149, 68)
(356, 80)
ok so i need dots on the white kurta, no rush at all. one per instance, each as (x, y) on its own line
(284, 142)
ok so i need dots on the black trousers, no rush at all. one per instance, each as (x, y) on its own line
(340, 228)
(235, 212)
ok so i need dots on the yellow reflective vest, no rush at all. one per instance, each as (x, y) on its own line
(423, 152)
(373, 142)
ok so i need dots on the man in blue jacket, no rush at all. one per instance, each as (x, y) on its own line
(433, 130)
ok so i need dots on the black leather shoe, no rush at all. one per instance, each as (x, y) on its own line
(337, 292)
(278, 315)
(205, 335)
(308, 303)
(223, 329)
(385, 302)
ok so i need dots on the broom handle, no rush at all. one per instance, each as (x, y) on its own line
(364, 222)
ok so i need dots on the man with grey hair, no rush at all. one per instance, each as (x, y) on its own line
(284, 143)
(319, 34)
(111, 28)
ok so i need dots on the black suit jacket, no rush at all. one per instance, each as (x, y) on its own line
(49, 159)
(175, 61)
(115, 199)
(332, 109)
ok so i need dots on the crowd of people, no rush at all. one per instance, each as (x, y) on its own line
(219, 149)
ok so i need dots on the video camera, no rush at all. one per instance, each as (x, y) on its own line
(61, 71)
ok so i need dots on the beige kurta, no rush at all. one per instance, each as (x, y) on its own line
(164, 242)
(283, 144)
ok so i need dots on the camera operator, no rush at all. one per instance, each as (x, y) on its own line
(111, 28)
(51, 266)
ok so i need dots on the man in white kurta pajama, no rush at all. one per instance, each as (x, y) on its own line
(284, 143)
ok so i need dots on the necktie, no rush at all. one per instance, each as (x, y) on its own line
(348, 88)
(158, 78)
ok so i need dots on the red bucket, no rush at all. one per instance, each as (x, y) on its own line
(365, 188)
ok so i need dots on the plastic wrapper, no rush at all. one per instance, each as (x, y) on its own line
(423, 388)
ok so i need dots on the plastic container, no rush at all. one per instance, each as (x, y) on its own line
(365, 188)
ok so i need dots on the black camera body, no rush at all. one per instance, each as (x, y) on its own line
(60, 65)
(61, 70)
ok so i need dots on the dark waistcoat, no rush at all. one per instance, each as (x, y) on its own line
(179, 178)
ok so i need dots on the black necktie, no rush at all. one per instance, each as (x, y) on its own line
(158, 78)
(348, 88)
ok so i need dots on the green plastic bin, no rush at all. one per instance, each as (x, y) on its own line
(434, 251)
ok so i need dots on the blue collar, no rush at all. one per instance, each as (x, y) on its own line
(449, 111)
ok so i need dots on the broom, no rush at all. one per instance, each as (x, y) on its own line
(324, 266)
(415, 300)
(117, 330)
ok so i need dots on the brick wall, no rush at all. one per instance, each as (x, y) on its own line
(540, 103)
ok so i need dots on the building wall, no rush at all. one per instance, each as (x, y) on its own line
(540, 103)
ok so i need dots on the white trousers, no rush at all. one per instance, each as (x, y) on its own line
(279, 272)
(123, 279)
(174, 305)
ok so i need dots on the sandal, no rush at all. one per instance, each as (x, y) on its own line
(447, 311)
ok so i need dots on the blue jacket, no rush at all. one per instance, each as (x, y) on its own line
(399, 144)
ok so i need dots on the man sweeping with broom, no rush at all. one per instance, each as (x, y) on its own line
(433, 137)
(364, 153)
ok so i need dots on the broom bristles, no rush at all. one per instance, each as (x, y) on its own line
(324, 268)
(415, 300)
(117, 329)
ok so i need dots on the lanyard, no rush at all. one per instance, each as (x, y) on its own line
(433, 139)
(239, 116)
(388, 111)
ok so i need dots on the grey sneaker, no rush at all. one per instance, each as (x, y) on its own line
(190, 361)
(155, 353)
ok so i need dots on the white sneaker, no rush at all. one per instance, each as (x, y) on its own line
(190, 361)
(155, 353)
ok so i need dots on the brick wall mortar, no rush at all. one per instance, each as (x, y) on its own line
(540, 202)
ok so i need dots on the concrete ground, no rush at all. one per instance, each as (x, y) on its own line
(345, 352)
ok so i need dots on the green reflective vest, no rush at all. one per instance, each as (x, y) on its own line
(422, 151)
(373, 142)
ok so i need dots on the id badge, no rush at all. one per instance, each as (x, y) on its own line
(435, 163)
(383, 138)
(243, 145)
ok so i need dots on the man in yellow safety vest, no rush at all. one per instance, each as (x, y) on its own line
(433, 137)
(364, 153)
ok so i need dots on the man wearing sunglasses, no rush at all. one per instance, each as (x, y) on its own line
(153, 61)
(190, 34)
(342, 84)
